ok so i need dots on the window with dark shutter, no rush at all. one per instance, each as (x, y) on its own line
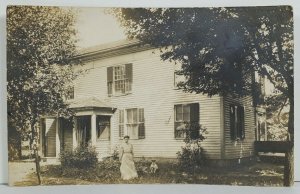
(237, 126)
(186, 120)
(119, 79)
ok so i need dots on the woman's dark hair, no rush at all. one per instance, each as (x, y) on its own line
(126, 136)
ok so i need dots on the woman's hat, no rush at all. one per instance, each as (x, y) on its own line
(126, 136)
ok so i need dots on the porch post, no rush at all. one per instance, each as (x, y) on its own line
(93, 129)
(41, 141)
(74, 129)
(57, 137)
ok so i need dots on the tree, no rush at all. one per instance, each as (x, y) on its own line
(220, 48)
(277, 117)
(40, 46)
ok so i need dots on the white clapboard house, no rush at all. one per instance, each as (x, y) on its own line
(128, 90)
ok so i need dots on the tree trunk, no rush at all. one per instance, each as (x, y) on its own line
(37, 165)
(288, 179)
(289, 156)
(36, 156)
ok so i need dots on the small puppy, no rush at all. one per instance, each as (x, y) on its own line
(153, 167)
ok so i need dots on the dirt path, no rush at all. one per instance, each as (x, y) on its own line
(19, 172)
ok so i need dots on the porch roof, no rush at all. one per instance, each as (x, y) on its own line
(91, 102)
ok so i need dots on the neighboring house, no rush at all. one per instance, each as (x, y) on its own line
(128, 89)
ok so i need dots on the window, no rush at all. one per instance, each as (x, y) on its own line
(237, 126)
(119, 80)
(103, 127)
(186, 120)
(135, 123)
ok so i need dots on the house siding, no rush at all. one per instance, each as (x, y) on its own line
(242, 148)
(153, 90)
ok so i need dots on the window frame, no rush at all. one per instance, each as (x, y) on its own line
(98, 130)
(122, 81)
(184, 121)
(137, 122)
(237, 124)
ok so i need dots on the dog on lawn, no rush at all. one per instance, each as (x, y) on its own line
(153, 167)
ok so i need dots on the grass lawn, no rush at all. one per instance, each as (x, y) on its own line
(107, 172)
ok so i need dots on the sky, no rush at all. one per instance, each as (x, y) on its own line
(97, 27)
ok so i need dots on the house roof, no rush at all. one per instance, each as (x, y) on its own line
(116, 48)
(109, 46)
(91, 102)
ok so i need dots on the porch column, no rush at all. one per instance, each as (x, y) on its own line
(93, 129)
(74, 129)
(57, 138)
(41, 138)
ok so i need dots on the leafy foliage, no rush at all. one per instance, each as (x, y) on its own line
(220, 48)
(40, 45)
(83, 157)
(277, 117)
(191, 155)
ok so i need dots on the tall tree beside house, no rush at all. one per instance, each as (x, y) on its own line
(220, 48)
(40, 45)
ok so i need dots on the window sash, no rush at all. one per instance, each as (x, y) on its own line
(119, 80)
(183, 118)
(135, 123)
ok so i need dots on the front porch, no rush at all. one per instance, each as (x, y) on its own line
(91, 126)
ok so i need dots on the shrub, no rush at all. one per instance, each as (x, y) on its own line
(191, 155)
(83, 157)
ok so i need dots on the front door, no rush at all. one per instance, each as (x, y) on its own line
(66, 129)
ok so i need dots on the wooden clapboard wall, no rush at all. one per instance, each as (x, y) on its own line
(242, 148)
(152, 89)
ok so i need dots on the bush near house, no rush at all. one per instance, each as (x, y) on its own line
(191, 155)
(82, 157)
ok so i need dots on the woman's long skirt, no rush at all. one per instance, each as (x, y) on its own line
(127, 168)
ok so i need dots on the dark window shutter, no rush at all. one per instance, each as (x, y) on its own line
(194, 119)
(141, 129)
(128, 71)
(121, 123)
(194, 112)
(109, 80)
(109, 74)
(128, 74)
(232, 122)
(241, 121)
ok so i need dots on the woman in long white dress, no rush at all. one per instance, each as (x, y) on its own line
(127, 168)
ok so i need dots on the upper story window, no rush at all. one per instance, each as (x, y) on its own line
(119, 80)
(237, 122)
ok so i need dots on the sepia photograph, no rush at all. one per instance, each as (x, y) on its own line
(150, 95)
